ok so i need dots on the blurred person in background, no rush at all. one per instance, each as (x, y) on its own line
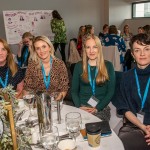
(59, 29)
(25, 50)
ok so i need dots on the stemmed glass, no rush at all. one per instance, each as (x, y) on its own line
(73, 124)
(49, 140)
(29, 98)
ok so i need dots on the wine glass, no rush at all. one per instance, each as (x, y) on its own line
(49, 140)
(73, 124)
(29, 98)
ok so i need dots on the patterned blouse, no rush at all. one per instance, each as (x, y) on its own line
(114, 40)
(59, 77)
(59, 29)
(12, 80)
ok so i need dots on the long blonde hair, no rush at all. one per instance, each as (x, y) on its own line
(10, 60)
(43, 38)
(102, 75)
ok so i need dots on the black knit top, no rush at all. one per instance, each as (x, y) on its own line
(13, 80)
(128, 98)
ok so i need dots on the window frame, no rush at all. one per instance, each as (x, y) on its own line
(133, 10)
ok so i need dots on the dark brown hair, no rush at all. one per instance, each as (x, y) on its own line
(56, 15)
(141, 38)
(113, 29)
(105, 25)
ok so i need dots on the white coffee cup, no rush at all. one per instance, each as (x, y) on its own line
(66, 144)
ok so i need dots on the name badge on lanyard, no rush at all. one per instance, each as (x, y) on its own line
(93, 101)
(4, 84)
(48, 79)
(143, 99)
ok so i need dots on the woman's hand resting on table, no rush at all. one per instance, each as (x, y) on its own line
(91, 110)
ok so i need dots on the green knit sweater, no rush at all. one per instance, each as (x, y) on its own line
(81, 91)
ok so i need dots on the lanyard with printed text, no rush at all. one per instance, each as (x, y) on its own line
(143, 100)
(48, 79)
(92, 82)
(4, 84)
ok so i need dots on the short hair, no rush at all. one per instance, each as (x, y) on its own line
(113, 29)
(141, 39)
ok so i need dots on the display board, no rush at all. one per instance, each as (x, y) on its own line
(19, 21)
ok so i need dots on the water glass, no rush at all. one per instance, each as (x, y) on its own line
(50, 140)
(29, 98)
(73, 123)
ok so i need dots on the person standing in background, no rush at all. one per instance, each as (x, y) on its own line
(59, 29)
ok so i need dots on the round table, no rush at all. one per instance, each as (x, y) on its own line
(111, 142)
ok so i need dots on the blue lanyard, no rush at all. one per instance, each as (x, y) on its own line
(143, 100)
(25, 55)
(92, 82)
(4, 84)
(47, 80)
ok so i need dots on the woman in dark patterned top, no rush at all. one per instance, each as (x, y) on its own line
(9, 71)
(46, 72)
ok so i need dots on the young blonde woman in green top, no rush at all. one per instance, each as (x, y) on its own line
(93, 81)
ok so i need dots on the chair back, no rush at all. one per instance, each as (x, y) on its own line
(112, 54)
(74, 56)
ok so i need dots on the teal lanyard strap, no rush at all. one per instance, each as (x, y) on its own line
(4, 84)
(25, 55)
(143, 100)
(47, 80)
(92, 82)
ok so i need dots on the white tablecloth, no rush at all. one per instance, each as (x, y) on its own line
(107, 143)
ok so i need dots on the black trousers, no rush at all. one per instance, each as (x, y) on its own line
(61, 47)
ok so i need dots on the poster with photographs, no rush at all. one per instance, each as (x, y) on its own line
(19, 21)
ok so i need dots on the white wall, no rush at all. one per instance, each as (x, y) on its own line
(135, 23)
(119, 10)
(74, 12)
